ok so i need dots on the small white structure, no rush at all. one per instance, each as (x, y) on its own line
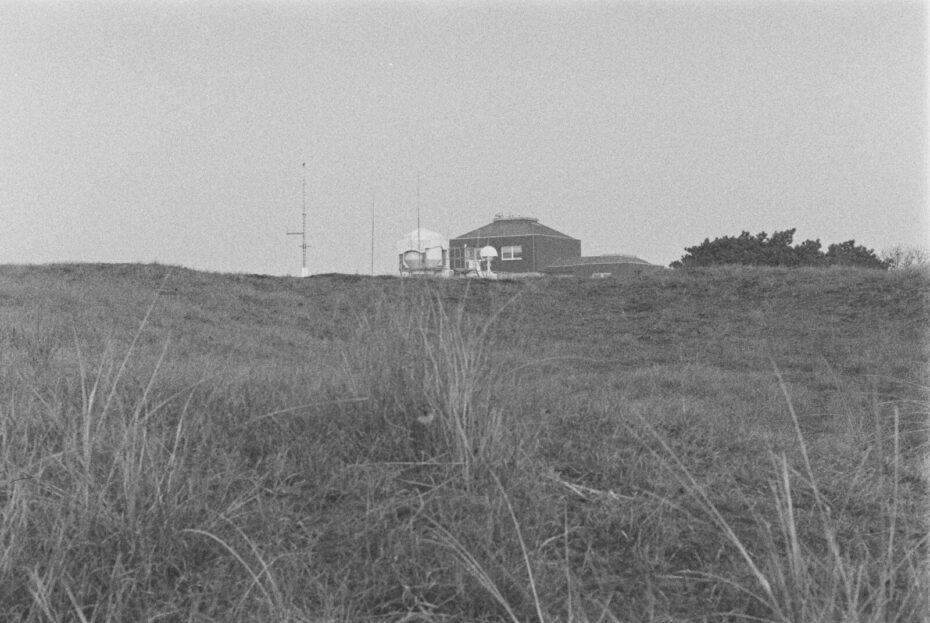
(485, 255)
(423, 253)
(476, 261)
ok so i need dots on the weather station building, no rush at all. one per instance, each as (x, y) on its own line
(523, 245)
(508, 245)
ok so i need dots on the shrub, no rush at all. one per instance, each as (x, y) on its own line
(899, 257)
(850, 254)
(762, 250)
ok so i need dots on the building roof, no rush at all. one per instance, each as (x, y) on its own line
(513, 226)
(597, 259)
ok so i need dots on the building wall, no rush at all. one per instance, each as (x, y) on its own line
(537, 251)
(549, 249)
(523, 265)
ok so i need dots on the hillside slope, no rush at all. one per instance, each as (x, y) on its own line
(196, 446)
(689, 315)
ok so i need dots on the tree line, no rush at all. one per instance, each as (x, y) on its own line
(778, 250)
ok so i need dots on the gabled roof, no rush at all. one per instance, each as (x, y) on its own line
(596, 259)
(513, 226)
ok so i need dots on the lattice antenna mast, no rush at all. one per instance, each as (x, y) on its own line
(303, 232)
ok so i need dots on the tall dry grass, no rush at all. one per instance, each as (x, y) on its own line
(434, 374)
(803, 563)
(415, 466)
(113, 491)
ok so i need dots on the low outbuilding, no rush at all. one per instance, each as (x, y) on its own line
(599, 266)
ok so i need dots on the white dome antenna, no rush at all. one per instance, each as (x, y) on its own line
(485, 255)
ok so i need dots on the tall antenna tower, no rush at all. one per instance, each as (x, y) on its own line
(303, 232)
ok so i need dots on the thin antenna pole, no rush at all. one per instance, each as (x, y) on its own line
(303, 232)
(372, 233)
(419, 245)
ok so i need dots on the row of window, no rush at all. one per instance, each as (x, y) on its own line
(458, 255)
(507, 253)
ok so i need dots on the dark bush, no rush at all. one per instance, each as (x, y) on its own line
(762, 250)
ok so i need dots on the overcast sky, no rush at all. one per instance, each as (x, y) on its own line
(175, 132)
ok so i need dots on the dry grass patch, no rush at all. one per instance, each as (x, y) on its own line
(341, 448)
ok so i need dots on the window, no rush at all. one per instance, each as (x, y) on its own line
(463, 259)
(512, 253)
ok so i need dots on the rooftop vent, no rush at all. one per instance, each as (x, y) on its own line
(514, 217)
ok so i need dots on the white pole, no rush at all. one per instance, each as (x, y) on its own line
(419, 245)
(372, 233)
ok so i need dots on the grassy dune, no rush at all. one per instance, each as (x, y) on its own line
(720, 445)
